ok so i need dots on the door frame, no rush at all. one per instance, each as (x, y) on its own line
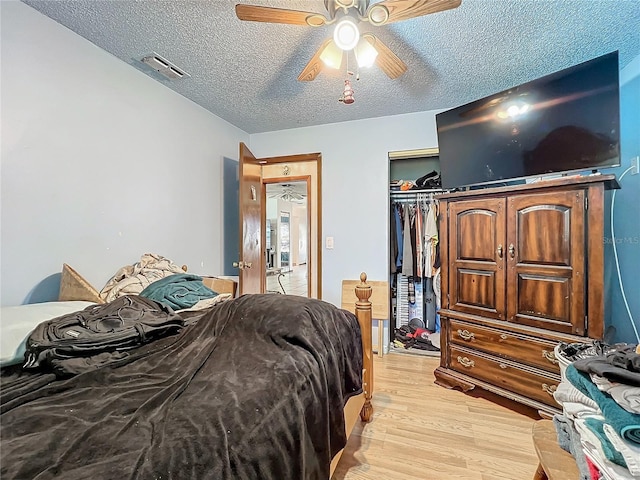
(283, 169)
(292, 169)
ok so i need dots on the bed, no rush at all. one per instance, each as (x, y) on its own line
(256, 387)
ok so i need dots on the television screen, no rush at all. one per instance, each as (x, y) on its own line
(567, 121)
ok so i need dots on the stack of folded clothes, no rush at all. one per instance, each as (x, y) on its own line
(600, 398)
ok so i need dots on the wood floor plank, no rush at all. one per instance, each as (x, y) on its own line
(421, 431)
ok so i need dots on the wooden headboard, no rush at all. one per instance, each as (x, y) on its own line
(221, 285)
(73, 286)
(379, 297)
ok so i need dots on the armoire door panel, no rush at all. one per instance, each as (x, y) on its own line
(477, 288)
(545, 260)
(544, 234)
(476, 257)
(476, 224)
(546, 298)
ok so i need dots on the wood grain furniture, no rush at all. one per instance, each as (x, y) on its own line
(221, 285)
(358, 407)
(379, 304)
(73, 287)
(522, 269)
(555, 463)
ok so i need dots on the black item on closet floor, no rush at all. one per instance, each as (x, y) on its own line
(411, 337)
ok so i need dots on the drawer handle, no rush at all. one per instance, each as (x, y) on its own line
(465, 362)
(466, 334)
(503, 365)
(549, 388)
(503, 336)
(550, 356)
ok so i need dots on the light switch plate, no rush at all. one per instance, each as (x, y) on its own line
(329, 243)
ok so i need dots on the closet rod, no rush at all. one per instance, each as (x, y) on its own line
(414, 194)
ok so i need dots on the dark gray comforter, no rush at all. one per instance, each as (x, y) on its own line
(253, 390)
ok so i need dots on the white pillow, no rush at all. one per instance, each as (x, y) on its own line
(16, 323)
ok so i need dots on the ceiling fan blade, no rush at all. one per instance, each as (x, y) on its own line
(389, 11)
(312, 69)
(388, 61)
(256, 13)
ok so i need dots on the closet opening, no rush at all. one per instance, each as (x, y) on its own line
(414, 247)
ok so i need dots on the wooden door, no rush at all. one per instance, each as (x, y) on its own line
(251, 262)
(545, 258)
(477, 237)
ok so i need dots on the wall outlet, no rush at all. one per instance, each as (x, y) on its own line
(635, 164)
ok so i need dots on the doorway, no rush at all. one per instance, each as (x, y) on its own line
(255, 177)
(287, 238)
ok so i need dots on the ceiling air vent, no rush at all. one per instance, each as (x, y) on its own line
(163, 66)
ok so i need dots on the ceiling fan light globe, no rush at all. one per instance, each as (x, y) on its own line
(346, 34)
(331, 56)
(366, 53)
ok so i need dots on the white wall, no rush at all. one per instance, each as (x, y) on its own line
(355, 187)
(100, 163)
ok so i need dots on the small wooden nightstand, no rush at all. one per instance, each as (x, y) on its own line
(555, 463)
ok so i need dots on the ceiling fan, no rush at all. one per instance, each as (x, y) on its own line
(288, 193)
(347, 14)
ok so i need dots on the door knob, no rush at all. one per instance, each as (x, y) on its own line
(499, 251)
(239, 265)
(512, 250)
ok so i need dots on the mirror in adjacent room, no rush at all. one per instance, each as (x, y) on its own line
(287, 240)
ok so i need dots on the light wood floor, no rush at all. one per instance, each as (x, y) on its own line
(422, 431)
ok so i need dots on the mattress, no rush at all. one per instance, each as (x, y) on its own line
(253, 388)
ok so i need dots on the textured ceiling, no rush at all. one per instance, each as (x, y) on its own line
(246, 72)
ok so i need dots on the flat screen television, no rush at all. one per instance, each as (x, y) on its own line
(568, 121)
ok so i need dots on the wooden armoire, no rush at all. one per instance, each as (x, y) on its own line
(522, 270)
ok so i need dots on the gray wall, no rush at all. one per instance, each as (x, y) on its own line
(355, 186)
(230, 216)
(100, 163)
(626, 216)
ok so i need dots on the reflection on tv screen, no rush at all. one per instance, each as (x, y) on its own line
(564, 122)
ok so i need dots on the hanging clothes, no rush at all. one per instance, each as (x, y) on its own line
(407, 249)
(419, 250)
(414, 249)
(393, 241)
(437, 288)
(430, 239)
(397, 213)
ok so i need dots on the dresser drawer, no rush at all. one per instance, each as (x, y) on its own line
(520, 348)
(536, 385)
